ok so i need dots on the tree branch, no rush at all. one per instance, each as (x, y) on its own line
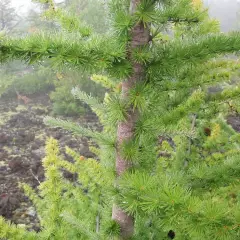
(174, 55)
(70, 50)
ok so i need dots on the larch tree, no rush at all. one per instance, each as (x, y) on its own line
(167, 162)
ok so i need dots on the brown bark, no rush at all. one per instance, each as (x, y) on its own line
(140, 36)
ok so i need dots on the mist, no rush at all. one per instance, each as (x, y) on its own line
(226, 11)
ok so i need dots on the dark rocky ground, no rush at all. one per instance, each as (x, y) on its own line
(234, 121)
(22, 147)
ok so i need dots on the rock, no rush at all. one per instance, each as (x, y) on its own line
(34, 146)
(23, 216)
(2, 178)
(21, 120)
(13, 109)
(7, 204)
(83, 149)
(65, 139)
(4, 138)
(40, 111)
(215, 89)
(23, 136)
(35, 166)
(21, 225)
(21, 132)
(15, 165)
(30, 136)
(72, 143)
(36, 228)
(57, 135)
(38, 154)
(3, 155)
(39, 143)
(234, 121)
(37, 121)
(69, 176)
(22, 221)
(31, 212)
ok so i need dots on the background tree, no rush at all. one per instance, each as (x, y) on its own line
(43, 78)
(92, 12)
(8, 16)
(8, 22)
(168, 159)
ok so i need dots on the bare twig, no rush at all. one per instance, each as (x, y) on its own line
(97, 223)
(190, 139)
(36, 177)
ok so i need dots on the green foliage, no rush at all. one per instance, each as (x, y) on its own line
(180, 11)
(93, 12)
(25, 81)
(12, 232)
(37, 81)
(5, 82)
(64, 103)
(62, 204)
(68, 21)
(184, 173)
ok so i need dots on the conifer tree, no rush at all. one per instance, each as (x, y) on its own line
(168, 160)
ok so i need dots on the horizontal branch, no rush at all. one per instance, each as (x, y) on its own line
(173, 56)
(78, 130)
(205, 177)
(91, 101)
(63, 50)
(180, 11)
(207, 74)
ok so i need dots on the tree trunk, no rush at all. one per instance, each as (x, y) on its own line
(140, 36)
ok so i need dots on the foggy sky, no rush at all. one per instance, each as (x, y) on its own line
(224, 10)
(24, 3)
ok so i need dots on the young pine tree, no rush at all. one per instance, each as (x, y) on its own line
(167, 162)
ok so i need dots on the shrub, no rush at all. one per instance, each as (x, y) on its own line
(64, 102)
